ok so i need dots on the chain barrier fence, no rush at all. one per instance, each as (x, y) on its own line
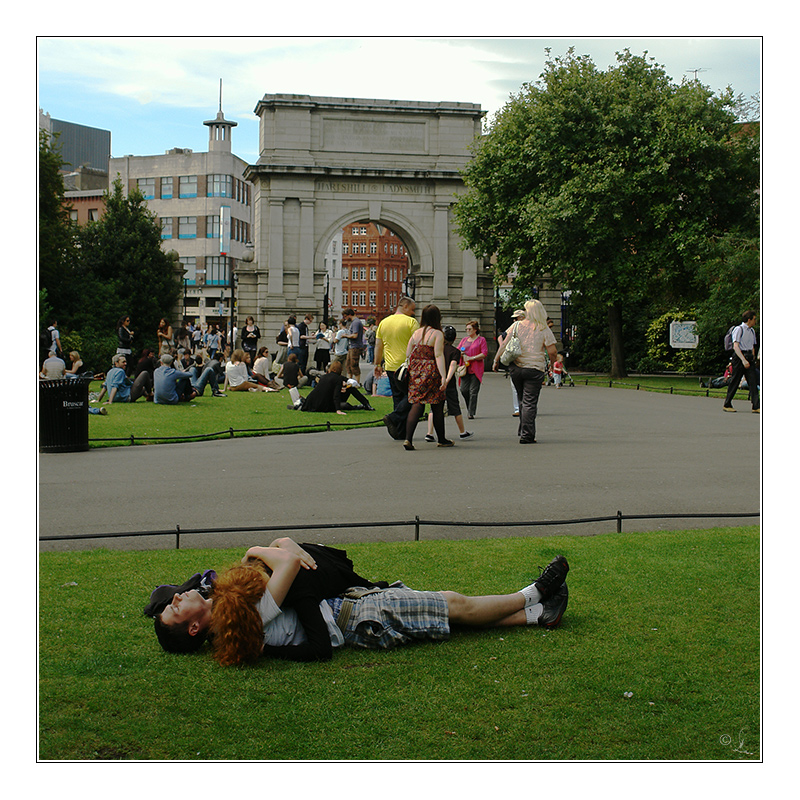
(416, 524)
(230, 433)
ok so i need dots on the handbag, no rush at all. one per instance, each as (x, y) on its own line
(461, 370)
(513, 348)
(401, 374)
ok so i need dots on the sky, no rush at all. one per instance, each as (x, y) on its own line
(153, 94)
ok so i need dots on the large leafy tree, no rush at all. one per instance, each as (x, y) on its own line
(122, 259)
(92, 276)
(611, 184)
(56, 233)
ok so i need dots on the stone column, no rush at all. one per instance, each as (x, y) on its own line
(440, 241)
(275, 265)
(305, 291)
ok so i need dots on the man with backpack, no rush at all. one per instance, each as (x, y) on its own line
(743, 341)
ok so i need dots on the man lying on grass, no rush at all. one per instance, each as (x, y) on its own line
(279, 603)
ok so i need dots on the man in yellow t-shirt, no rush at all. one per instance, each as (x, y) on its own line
(391, 341)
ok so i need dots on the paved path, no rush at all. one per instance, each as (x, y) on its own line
(599, 450)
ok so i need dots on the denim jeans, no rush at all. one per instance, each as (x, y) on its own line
(201, 379)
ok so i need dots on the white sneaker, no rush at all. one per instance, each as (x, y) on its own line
(466, 435)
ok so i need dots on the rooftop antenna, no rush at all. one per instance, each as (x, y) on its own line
(220, 93)
(696, 70)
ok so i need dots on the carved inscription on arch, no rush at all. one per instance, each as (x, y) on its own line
(371, 187)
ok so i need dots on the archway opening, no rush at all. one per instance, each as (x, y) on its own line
(368, 268)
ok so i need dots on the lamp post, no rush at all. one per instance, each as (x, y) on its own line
(409, 286)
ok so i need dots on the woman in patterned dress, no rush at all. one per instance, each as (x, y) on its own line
(427, 377)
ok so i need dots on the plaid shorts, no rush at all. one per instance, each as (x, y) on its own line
(396, 617)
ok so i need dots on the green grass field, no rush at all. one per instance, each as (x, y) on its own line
(658, 657)
(238, 414)
(674, 384)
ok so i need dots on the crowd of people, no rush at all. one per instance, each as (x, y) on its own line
(418, 364)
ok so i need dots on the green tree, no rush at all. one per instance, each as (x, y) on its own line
(124, 270)
(56, 232)
(610, 184)
(731, 274)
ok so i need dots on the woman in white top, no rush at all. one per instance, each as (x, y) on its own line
(324, 340)
(528, 369)
(237, 378)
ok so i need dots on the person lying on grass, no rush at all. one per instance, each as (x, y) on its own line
(250, 611)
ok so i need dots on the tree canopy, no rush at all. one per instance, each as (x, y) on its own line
(612, 184)
(92, 276)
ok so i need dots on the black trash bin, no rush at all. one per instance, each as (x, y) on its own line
(64, 415)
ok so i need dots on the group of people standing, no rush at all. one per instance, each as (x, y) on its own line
(423, 365)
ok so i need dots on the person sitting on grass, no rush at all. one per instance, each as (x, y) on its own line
(119, 386)
(53, 367)
(170, 385)
(237, 378)
(245, 618)
(291, 373)
(331, 393)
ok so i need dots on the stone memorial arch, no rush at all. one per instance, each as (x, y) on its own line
(326, 162)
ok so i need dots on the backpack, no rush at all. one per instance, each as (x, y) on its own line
(45, 338)
(728, 342)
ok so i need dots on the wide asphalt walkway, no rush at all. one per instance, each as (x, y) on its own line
(599, 450)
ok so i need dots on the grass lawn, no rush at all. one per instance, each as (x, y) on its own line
(673, 384)
(244, 413)
(671, 618)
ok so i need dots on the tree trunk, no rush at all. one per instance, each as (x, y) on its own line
(617, 343)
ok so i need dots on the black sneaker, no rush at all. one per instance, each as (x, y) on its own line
(553, 608)
(552, 577)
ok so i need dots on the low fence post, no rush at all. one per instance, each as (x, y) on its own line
(619, 522)
(416, 528)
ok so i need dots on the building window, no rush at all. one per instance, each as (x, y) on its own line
(94, 214)
(345, 273)
(73, 216)
(166, 188)
(363, 231)
(372, 298)
(190, 265)
(217, 270)
(345, 248)
(363, 274)
(188, 186)
(373, 273)
(187, 227)
(345, 295)
(220, 186)
(373, 248)
(212, 227)
(333, 247)
(362, 298)
(166, 227)
(355, 231)
(147, 186)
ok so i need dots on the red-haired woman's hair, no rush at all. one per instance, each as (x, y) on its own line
(235, 622)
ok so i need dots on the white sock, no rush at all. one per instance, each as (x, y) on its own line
(532, 595)
(532, 614)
